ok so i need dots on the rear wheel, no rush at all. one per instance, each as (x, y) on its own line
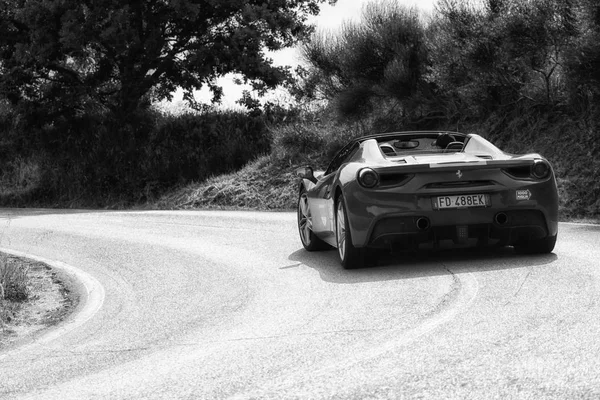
(310, 241)
(350, 256)
(537, 246)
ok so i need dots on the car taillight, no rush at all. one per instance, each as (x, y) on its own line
(540, 169)
(368, 178)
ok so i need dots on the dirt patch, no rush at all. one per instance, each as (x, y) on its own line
(49, 301)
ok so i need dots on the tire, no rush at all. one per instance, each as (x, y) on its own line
(310, 241)
(538, 246)
(350, 257)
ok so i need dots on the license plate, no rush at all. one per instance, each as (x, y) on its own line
(461, 201)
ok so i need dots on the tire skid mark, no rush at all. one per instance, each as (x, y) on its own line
(462, 293)
(449, 297)
(91, 293)
(466, 295)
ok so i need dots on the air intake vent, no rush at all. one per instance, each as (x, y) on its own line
(393, 179)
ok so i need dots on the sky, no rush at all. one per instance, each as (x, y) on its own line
(330, 18)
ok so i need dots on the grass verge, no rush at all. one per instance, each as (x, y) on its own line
(35, 297)
(13, 287)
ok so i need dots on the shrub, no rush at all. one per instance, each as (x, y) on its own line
(96, 158)
(314, 139)
(193, 147)
(383, 57)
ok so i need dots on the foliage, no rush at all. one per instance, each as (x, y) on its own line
(582, 60)
(502, 54)
(524, 73)
(382, 57)
(104, 162)
(467, 61)
(191, 147)
(77, 79)
(270, 181)
(74, 120)
(97, 54)
(313, 139)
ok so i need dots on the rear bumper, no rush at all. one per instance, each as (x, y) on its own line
(380, 218)
(413, 231)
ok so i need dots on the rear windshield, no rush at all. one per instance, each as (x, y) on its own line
(422, 144)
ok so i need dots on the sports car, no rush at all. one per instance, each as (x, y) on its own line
(427, 190)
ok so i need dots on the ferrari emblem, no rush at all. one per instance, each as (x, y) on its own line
(459, 174)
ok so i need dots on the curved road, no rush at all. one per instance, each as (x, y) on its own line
(210, 304)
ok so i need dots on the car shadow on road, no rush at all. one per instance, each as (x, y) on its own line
(414, 265)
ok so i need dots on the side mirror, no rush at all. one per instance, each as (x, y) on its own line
(306, 173)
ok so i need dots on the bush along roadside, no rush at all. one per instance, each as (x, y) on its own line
(107, 162)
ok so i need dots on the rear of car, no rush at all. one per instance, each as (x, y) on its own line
(474, 195)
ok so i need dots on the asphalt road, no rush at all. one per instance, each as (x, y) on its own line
(209, 305)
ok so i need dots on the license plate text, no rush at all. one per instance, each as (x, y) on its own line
(461, 201)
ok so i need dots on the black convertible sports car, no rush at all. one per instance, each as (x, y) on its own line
(427, 190)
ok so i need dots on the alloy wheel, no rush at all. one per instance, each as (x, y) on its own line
(304, 220)
(340, 232)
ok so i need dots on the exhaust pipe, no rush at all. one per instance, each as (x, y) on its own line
(501, 218)
(423, 224)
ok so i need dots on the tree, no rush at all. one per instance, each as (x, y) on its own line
(117, 53)
(503, 54)
(381, 59)
(583, 59)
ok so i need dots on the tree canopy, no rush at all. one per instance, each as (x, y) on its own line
(467, 60)
(115, 54)
(382, 56)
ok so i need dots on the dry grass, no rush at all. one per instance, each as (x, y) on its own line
(261, 185)
(269, 182)
(13, 287)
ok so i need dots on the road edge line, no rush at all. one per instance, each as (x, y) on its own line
(580, 223)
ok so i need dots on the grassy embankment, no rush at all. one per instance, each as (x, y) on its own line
(269, 183)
